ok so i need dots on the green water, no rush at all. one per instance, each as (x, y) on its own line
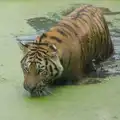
(86, 102)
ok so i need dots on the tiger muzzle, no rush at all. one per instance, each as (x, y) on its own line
(29, 88)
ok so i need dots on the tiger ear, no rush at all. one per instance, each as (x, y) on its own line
(54, 54)
(23, 47)
(24, 42)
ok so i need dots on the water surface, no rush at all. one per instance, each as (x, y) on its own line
(85, 102)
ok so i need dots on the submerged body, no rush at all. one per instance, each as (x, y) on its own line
(67, 50)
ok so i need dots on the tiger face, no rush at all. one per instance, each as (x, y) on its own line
(40, 67)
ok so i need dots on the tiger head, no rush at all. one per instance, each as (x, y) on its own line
(41, 65)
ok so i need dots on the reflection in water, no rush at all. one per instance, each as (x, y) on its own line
(110, 67)
(43, 23)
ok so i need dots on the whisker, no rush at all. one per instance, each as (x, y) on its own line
(48, 91)
(39, 93)
(44, 93)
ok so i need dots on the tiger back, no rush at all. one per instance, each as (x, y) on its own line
(81, 37)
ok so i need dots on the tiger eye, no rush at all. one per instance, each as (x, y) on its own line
(39, 71)
(44, 73)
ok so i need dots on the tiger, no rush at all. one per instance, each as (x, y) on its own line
(67, 52)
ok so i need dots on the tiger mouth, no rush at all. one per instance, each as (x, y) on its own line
(41, 92)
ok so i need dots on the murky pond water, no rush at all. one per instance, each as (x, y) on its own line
(85, 102)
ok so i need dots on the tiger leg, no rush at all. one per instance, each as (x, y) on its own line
(91, 67)
(92, 74)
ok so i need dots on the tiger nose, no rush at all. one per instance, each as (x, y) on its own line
(29, 87)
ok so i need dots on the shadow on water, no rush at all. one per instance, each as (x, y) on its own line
(108, 68)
